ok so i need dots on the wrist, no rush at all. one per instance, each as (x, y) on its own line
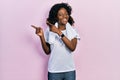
(59, 33)
(41, 36)
(62, 35)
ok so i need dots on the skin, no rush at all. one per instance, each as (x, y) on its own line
(40, 33)
(62, 17)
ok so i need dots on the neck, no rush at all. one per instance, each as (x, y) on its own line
(61, 26)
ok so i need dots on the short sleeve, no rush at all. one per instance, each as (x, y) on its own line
(76, 34)
(73, 33)
(46, 34)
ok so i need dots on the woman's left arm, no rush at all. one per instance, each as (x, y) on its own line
(71, 44)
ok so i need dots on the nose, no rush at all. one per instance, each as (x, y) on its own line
(65, 16)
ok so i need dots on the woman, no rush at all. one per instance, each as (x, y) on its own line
(59, 40)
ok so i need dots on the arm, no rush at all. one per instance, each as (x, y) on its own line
(45, 46)
(71, 44)
(40, 33)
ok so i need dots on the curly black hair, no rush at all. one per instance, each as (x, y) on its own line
(54, 10)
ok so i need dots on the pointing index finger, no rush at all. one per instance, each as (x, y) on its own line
(34, 26)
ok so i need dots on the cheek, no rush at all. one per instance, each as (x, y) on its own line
(59, 18)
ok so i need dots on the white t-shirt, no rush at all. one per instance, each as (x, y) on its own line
(61, 58)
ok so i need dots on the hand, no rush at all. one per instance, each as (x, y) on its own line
(52, 27)
(39, 30)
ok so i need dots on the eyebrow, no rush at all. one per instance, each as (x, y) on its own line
(62, 13)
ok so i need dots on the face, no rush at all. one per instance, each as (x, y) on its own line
(62, 16)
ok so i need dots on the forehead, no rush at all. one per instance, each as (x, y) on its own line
(62, 10)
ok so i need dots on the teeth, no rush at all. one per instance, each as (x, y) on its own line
(64, 19)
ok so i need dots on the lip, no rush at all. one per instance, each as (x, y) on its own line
(65, 20)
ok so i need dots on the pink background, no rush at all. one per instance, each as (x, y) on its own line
(97, 56)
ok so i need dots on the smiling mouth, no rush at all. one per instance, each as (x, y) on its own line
(65, 20)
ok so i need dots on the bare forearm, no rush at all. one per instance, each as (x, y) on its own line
(71, 44)
(44, 45)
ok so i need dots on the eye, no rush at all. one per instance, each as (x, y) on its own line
(60, 14)
(67, 14)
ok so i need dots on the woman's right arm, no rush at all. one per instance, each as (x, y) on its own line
(45, 45)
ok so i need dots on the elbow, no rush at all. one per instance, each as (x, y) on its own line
(47, 52)
(72, 49)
